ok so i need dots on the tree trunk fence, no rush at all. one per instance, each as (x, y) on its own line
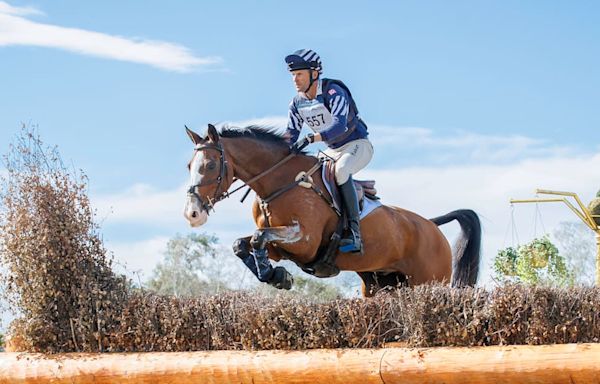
(559, 363)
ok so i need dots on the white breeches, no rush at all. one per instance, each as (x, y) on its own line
(350, 158)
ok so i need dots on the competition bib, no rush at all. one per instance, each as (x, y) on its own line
(315, 115)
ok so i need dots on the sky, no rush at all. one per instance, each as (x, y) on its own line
(468, 103)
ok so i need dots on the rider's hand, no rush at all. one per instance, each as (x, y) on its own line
(301, 144)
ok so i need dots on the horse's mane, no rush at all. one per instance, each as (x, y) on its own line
(258, 132)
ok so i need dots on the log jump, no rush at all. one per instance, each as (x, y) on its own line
(560, 363)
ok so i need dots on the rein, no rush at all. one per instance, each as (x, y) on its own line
(209, 205)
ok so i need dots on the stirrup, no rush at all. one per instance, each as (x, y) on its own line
(352, 246)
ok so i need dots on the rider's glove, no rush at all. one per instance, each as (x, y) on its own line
(301, 144)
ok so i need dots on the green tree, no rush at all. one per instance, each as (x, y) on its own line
(316, 289)
(578, 246)
(536, 262)
(192, 265)
(196, 264)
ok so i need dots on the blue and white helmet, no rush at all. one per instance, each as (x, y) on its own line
(304, 59)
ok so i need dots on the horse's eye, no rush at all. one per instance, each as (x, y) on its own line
(210, 166)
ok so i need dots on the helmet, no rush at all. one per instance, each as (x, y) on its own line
(304, 59)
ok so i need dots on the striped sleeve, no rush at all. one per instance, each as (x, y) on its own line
(339, 107)
(294, 123)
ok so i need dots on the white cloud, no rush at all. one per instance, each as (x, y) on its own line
(137, 259)
(425, 146)
(22, 11)
(142, 203)
(268, 121)
(461, 146)
(16, 30)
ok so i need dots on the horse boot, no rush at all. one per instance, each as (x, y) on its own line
(277, 277)
(255, 259)
(351, 243)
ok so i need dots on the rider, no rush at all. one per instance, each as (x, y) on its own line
(327, 107)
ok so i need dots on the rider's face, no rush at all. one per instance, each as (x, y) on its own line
(301, 79)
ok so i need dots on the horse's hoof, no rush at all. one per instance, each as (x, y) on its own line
(326, 270)
(281, 279)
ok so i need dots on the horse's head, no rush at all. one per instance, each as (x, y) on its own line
(210, 176)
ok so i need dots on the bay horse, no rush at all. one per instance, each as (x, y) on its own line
(399, 247)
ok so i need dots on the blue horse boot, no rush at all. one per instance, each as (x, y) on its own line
(258, 263)
(264, 269)
(255, 259)
(352, 242)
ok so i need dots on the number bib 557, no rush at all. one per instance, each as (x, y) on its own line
(315, 115)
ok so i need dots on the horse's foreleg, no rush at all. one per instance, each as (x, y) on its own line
(284, 234)
(253, 252)
(278, 277)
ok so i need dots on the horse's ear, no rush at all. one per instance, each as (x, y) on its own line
(213, 135)
(196, 139)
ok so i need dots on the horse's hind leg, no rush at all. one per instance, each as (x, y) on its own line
(369, 285)
(374, 282)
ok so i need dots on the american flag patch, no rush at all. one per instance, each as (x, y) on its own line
(331, 91)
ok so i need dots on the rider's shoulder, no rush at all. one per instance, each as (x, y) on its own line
(295, 100)
(333, 87)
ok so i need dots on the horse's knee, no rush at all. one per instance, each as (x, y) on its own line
(258, 240)
(241, 247)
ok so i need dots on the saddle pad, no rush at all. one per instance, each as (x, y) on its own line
(368, 205)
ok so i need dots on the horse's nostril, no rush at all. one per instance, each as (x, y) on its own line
(194, 214)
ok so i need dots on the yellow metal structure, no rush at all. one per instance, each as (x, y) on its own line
(583, 213)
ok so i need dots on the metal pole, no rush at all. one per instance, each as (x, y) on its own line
(585, 216)
(597, 259)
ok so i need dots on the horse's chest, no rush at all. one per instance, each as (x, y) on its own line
(315, 114)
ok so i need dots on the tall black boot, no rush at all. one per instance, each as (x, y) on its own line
(351, 243)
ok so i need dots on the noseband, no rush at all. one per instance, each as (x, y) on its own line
(208, 205)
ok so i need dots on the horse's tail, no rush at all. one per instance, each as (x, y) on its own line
(465, 265)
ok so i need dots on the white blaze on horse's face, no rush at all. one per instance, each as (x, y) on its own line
(193, 211)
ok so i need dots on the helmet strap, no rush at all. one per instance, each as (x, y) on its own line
(311, 80)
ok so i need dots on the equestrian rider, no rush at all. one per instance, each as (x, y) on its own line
(327, 107)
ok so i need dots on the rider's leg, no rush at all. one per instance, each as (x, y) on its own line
(352, 242)
(353, 157)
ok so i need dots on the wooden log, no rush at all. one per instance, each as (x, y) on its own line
(565, 363)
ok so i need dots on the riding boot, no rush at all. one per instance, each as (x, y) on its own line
(351, 243)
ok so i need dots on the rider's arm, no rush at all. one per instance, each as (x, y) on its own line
(294, 124)
(338, 106)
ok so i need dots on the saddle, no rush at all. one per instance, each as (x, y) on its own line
(364, 188)
(324, 263)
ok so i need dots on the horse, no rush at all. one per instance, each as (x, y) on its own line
(400, 248)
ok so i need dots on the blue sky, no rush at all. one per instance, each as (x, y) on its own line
(468, 103)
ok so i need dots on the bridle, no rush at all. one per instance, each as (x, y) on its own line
(208, 205)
